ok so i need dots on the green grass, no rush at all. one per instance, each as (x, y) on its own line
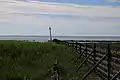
(33, 59)
(19, 59)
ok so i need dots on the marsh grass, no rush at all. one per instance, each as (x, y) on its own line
(32, 59)
(20, 60)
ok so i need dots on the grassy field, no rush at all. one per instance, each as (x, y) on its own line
(21, 60)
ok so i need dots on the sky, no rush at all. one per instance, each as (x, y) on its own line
(66, 17)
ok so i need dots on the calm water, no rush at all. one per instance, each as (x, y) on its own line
(46, 38)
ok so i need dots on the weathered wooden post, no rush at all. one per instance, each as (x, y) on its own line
(70, 44)
(94, 54)
(73, 46)
(109, 59)
(86, 50)
(67, 44)
(76, 44)
(1, 49)
(80, 48)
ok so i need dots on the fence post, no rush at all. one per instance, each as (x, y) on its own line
(76, 46)
(94, 54)
(80, 48)
(68, 44)
(109, 59)
(1, 49)
(73, 46)
(86, 50)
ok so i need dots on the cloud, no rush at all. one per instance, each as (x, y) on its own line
(22, 9)
(114, 0)
(66, 19)
(61, 8)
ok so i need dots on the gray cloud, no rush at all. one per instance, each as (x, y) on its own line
(61, 15)
(113, 0)
(25, 18)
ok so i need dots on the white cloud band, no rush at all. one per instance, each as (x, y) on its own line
(22, 13)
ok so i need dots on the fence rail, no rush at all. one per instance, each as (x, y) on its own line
(104, 57)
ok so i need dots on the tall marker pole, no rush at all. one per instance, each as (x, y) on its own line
(50, 33)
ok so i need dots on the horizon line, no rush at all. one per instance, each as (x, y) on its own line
(60, 36)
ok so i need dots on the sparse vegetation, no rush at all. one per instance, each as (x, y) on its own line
(22, 60)
(19, 59)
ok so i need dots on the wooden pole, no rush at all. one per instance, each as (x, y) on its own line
(1, 49)
(109, 59)
(86, 50)
(94, 54)
(76, 46)
(80, 48)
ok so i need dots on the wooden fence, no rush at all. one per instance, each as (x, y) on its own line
(103, 57)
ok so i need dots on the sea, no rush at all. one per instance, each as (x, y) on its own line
(46, 38)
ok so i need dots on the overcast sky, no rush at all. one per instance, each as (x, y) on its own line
(66, 17)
